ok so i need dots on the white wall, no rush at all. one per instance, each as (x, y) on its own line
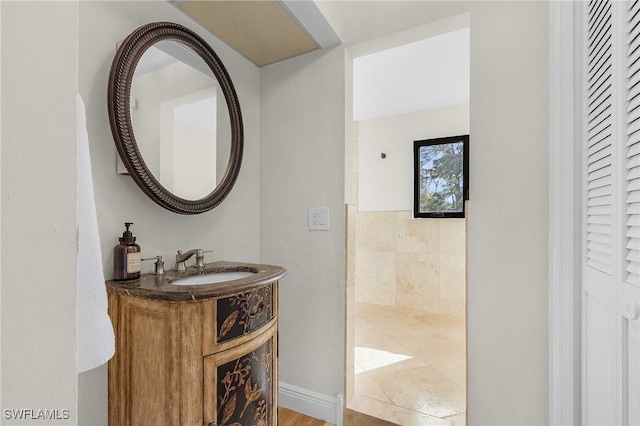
(38, 360)
(303, 136)
(231, 230)
(507, 225)
(420, 75)
(302, 118)
(0, 199)
(387, 184)
(302, 159)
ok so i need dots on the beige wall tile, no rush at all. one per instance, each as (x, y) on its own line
(404, 215)
(417, 235)
(350, 330)
(452, 237)
(417, 273)
(452, 277)
(428, 255)
(376, 231)
(375, 297)
(350, 244)
(376, 270)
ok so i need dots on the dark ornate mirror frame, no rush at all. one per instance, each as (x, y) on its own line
(118, 95)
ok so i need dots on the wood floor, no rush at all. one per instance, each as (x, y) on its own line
(287, 417)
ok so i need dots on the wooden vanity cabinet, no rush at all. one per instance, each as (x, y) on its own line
(204, 362)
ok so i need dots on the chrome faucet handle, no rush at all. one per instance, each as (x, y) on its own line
(158, 266)
(181, 258)
(200, 257)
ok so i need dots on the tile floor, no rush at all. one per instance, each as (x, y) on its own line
(410, 366)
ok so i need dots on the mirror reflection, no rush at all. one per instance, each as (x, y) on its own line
(180, 119)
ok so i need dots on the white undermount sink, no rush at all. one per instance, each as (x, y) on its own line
(213, 278)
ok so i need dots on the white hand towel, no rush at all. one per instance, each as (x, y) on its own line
(96, 342)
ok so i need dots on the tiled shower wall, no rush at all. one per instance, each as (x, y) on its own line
(411, 263)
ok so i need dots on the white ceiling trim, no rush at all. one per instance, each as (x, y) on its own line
(311, 19)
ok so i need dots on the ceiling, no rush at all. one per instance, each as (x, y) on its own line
(419, 75)
(426, 74)
(357, 21)
(269, 31)
(264, 31)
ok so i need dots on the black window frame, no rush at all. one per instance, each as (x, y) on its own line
(417, 145)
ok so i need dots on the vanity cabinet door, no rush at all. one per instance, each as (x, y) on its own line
(145, 370)
(240, 384)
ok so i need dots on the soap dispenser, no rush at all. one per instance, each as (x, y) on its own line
(126, 257)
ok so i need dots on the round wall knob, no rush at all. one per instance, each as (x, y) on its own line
(632, 311)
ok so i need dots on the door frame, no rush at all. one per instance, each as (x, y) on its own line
(565, 212)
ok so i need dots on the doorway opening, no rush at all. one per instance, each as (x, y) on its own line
(406, 276)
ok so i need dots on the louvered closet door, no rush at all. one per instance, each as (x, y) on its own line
(599, 293)
(611, 267)
(629, 292)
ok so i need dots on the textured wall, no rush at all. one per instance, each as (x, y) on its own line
(508, 248)
(231, 230)
(38, 207)
(387, 184)
(302, 166)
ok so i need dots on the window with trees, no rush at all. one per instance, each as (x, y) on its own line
(441, 175)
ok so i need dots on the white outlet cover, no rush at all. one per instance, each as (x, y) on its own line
(319, 218)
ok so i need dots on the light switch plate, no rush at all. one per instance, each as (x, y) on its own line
(319, 219)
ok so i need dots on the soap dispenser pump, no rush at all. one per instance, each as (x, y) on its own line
(126, 257)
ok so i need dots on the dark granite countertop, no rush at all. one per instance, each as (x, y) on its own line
(159, 287)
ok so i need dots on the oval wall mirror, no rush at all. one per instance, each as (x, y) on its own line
(175, 118)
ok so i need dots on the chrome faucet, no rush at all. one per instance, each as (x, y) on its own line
(181, 258)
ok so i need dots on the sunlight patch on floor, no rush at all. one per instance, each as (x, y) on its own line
(371, 359)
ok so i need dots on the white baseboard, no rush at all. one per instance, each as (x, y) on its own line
(311, 403)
